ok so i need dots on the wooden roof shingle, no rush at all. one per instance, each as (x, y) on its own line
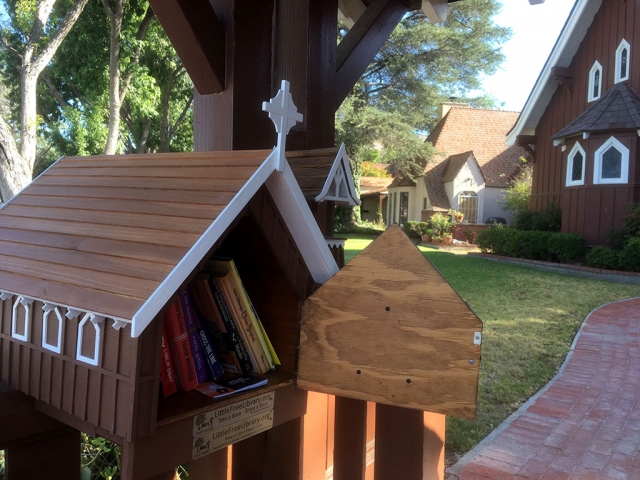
(114, 235)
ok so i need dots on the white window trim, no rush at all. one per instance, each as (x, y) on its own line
(570, 158)
(598, 67)
(623, 44)
(97, 322)
(48, 308)
(597, 164)
(28, 316)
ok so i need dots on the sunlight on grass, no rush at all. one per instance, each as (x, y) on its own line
(530, 318)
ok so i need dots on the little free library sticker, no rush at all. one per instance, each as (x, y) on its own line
(227, 435)
(232, 414)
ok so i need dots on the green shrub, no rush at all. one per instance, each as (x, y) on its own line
(547, 246)
(415, 229)
(441, 223)
(499, 240)
(629, 258)
(363, 228)
(547, 220)
(567, 247)
(603, 257)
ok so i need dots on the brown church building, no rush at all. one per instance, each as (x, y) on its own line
(582, 120)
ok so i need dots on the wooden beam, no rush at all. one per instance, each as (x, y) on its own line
(350, 447)
(522, 140)
(358, 48)
(198, 37)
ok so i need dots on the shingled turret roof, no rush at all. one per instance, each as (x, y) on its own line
(618, 109)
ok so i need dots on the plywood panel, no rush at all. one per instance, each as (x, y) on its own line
(388, 328)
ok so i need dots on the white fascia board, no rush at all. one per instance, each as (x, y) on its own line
(189, 262)
(566, 46)
(435, 10)
(303, 226)
(341, 161)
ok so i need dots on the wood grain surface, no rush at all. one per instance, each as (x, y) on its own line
(388, 328)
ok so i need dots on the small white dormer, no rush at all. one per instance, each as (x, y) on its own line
(623, 57)
(339, 185)
(595, 82)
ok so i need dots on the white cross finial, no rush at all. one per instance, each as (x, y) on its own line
(284, 115)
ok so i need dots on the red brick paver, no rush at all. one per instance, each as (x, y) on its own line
(586, 424)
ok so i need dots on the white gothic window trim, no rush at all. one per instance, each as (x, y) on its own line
(595, 80)
(97, 321)
(577, 148)
(623, 59)
(26, 303)
(613, 142)
(57, 312)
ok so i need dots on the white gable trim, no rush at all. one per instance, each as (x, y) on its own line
(301, 223)
(340, 173)
(189, 262)
(563, 52)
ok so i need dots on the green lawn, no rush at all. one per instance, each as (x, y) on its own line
(530, 318)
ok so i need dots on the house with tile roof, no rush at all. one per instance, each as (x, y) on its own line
(582, 119)
(374, 195)
(471, 167)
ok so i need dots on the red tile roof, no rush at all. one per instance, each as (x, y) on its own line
(483, 132)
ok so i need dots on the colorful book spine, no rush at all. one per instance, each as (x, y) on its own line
(190, 321)
(167, 369)
(234, 339)
(240, 314)
(178, 338)
(227, 265)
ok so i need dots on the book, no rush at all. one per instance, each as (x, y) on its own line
(178, 339)
(227, 265)
(240, 316)
(189, 315)
(228, 386)
(167, 369)
(232, 335)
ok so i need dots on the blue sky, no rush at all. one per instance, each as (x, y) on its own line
(535, 30)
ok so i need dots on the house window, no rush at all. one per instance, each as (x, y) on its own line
(426, 203)
(611, 163)
(575, 165)
(404, 207)
(595, 81)
(395, 204)
(622, 61)
(468, 205)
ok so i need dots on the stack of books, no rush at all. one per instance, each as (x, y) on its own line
(212, 332)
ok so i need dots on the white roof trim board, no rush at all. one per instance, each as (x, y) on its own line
(339, 174)
(566, 46)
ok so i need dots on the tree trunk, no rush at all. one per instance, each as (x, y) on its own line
(28, 117)
(15, 173)
(115, 99)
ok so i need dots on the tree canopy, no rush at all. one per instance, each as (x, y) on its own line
(421, 66)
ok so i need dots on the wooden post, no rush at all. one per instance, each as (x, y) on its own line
(315, 437)
(350, 439)
(409, 444)
(210, 467)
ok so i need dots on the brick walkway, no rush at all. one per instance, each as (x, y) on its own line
(586, 424)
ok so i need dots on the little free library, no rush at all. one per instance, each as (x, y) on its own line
(194, 308)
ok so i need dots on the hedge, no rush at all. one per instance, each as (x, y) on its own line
(614, 259)
(533, 245)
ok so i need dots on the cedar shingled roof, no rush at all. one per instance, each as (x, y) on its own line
(618, 109)
(311, 168)
(483, 132)
(103, 234)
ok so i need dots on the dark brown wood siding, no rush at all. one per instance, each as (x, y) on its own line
(590, 210)
(101, 395)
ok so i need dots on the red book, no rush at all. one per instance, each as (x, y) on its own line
(179, 340)
(167, 369)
